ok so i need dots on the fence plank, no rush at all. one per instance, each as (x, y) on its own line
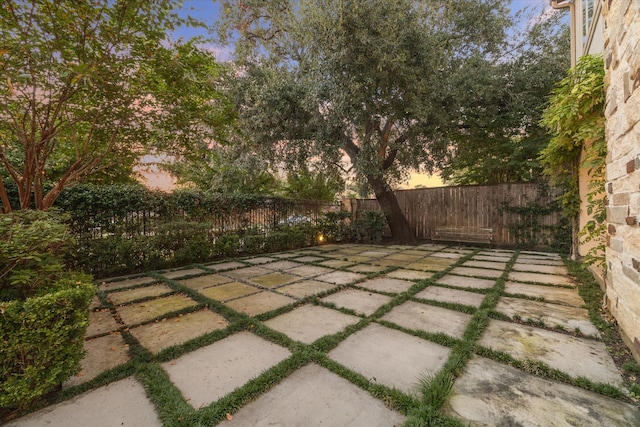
(471, 206)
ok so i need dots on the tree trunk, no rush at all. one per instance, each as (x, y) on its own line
(400, 231)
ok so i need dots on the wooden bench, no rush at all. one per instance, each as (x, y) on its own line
(463, 234)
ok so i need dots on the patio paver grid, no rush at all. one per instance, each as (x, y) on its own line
(335, 291)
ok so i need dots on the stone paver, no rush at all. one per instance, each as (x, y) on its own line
(357, 258)
(336, 263)
(491, 394)
(535, 268)
(340, 277)
(486, 264)
(374, 254)
(431, 264)
(209, 373)
(456, 296)
(309, 258)
(310, 322)
(109, 286)
(404, 257)
(552, 315)
(101, 322)
(385, 284)
(282, 265)
(157, 336)
(555, 349)
(361, 302)
(409, 274)
(286, 255)
(305, 288)
(273, 280)
(538, 261)
(122, 403)
(102, 353)
(390, 263)
(138, 293)
(476, 272)
(259, 260)
(247, 273)
(550, 294)
(137, 313)
(263, 302)
(320, 398)
(551, 279)
(466, 282)
(182, 273)
(366, 268)
(229, 291)
(309, 270)
(400, 363)
(491, 258)
(429, 318)
(222, 266)
(448, 255)
(202, 282)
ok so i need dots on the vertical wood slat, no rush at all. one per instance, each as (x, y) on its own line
(471, 206)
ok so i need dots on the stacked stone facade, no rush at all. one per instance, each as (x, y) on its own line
(622, 83)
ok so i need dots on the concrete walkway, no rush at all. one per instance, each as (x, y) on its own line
(366, 321)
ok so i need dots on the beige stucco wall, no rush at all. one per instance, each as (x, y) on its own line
(622, 83)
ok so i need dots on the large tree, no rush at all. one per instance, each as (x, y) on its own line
(366, 79)
(499, 137)
(90, 84)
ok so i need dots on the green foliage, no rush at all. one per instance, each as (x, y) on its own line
(235, 169)
(575, 118)
(42, 341)
(529, 230)
(31, 248)
(127, 228)
(334, 227)
(43, 308)
(90, 84)
(369, 227)
(502, 98)
(369, 79)
(305, 184)
(227, 245)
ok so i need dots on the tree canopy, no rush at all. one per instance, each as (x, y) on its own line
(88, 85)
(369, 80)
(499, 137)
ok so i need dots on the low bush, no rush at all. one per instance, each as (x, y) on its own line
(43, 307)
(42, 341)
(368, 228)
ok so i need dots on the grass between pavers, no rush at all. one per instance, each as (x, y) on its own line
(423, 409)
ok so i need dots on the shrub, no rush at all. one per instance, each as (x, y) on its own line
(43, 308)
(369, 227)
(227, 245)
(31, 243)
(334, 227)
(42, 341)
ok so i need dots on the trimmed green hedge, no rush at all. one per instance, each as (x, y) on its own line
(42, 341)
(44, 308)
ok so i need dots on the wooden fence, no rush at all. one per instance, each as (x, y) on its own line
(515, 212)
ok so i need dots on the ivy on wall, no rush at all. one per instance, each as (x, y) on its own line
(575, 118)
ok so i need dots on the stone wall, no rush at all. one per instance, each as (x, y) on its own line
(622, 83)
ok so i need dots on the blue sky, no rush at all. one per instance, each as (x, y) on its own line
(208, 12)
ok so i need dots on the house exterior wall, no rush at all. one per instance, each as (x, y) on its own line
(622, 111)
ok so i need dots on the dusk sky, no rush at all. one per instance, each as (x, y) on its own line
(208, 11)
